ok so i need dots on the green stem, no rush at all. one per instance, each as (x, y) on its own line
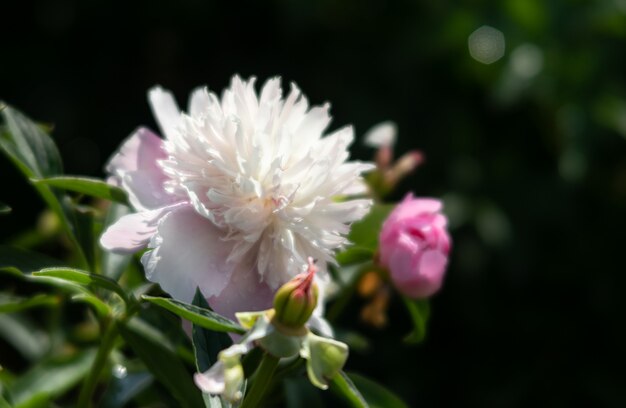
(108, 341)
(262, 379)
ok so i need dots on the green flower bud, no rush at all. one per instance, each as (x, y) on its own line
(295, 301)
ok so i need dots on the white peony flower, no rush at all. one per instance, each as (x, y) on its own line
(242, 190)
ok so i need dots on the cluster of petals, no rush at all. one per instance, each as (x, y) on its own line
(414, 246)
(239, 192)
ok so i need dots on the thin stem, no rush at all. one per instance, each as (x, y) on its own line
(108, 341)
(262, 379)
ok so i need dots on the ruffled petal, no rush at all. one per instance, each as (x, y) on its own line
(188, 252)
(412, 207)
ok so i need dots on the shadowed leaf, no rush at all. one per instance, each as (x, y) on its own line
(201, 317)
(375, 394)
(84, 278)
(419, 311)
(343, 386)
(89, 186)
(163, 364)
(11, 304)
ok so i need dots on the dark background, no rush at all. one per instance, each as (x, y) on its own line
(532, 168)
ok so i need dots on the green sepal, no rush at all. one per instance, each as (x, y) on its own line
(325, 358)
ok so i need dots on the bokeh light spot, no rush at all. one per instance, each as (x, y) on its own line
(527, 60)
(486, 44)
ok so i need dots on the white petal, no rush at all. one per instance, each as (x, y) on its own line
(199, 102)
(381, 135)
(165, 110)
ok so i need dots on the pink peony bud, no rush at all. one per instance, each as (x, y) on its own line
(414, 246)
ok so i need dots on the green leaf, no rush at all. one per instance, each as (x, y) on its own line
(206, 343)
(364, 233)
(375, 394)
(100, 307)
(4, 403)
(114, 265)
(4, 209)
(343, 386)
(89, 186)
(11, 304)
(24, 336)
(71, 287)
(122, 390)
(206, 346)
(34, 153)
(355, 255)
(354, 340)
(199, 316)
(29, 146)
(84, 222)
(84, 278)
(51, 378)
(164, 365)
(24, 260)
(299, 393)
(80, 293)
(419, 311)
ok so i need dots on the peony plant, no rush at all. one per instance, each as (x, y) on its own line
(212, 264)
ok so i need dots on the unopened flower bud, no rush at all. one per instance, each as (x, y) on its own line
(414, 246)
(404, 166)
(295, 300)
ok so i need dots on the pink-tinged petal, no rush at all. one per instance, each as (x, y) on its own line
(414, 246)
(403, 243)
(411, 207)
(188, 252)
(139, 151)
(428, 281)
(165, 110)
(244, 292)
(402, 266)
(136, 170)
(146, 189)
(132, 232)
(432, 269)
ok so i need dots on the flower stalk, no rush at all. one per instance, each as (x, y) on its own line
(262, 379)
(108, 342)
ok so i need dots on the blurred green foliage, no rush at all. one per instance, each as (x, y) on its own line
(528, 152)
